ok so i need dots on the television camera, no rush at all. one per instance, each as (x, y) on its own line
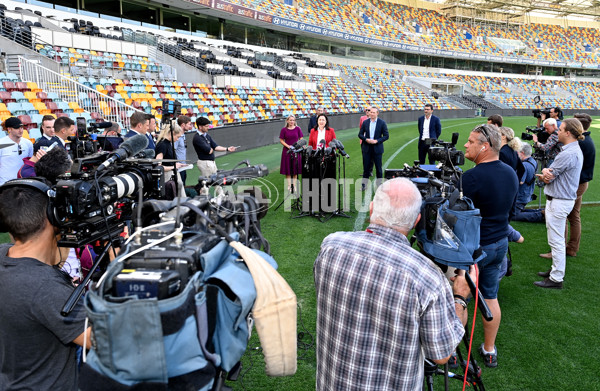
(93, 202)
(445, 152)
(540, 131)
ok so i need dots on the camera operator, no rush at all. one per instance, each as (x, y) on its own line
(492, 186)
(382, 306)
(526, 188)
(562, 182)
(587, 173)
(186, 124)
(552, 146)
(39, 346)
(556, 114)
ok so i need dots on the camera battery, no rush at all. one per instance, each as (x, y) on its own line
(147, 284)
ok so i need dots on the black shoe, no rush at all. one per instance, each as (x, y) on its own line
(548, 283)
(490, 360)
(363, 187)
(545, 274)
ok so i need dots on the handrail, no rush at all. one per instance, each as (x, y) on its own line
(69, 90)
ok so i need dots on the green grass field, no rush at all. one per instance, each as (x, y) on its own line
(548, 339)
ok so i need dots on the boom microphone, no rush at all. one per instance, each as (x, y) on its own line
(101, 125)
(130, 147)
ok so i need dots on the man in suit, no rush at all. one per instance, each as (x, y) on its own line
(429, 127)
(312, 122)
(373, 133)
(48, 134)
(139, 123)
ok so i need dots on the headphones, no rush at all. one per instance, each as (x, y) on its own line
(35, 184)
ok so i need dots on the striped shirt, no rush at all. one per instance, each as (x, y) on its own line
(381, 308)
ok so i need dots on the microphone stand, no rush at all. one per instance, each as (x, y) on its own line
(311, 162)
(340, 193)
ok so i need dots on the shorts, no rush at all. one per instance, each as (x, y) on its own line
(490, 268)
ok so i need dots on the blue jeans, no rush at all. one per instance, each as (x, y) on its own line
(492, 268)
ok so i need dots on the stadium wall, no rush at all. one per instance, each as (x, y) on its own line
(254, 135)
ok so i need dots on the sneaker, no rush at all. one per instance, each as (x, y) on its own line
(489, 359)
(453, 361)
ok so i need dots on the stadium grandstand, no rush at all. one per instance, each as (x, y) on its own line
(249, 61)
(246, 65)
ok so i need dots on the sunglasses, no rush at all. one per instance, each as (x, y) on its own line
(19, 149)
(484, 129)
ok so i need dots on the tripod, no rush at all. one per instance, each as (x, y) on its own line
(341, 174)
(313, 170)
(297, 203)
(473, 374)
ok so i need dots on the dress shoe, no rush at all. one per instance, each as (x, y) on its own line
(545, 274)
(363, 187)
(546, 255)
(548, 283)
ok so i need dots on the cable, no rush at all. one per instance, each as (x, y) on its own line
(472, 327)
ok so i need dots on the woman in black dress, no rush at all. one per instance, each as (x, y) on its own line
(164, 150)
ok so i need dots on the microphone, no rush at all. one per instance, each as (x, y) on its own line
(130, 147)
(101, 125)
(309, 150)
(339, 146)
(297, 147)
(321, 144)
(146, 154)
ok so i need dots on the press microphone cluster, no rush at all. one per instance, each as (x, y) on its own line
(337, 144)
(299, 146)
(132, 146)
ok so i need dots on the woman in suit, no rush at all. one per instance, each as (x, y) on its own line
(321, 132)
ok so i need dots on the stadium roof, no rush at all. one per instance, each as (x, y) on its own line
(577, 9)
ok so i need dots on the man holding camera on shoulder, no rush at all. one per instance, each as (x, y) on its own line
(39, 346)
(552, 146)
(492, 186)
(382, 307)
(562, 182)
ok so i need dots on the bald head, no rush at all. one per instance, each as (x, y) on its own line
(397, 204)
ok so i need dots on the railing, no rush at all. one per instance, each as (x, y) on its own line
(100, 107)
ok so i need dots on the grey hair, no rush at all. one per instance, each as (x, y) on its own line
(495, 140)
(550, 121)
(526, 149)
(397, 204)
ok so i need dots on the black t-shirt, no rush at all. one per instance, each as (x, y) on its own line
(36, 348)
(165, 147)
(493, 188)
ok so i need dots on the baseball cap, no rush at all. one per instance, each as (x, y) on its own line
(13, 122)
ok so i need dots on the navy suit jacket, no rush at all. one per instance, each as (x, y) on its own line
(381, 135)
(44, 142)
(151, 144)
(435, 127)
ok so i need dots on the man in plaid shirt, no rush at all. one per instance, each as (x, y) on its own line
(382, 307)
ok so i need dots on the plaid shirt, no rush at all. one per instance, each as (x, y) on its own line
(381, 308)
